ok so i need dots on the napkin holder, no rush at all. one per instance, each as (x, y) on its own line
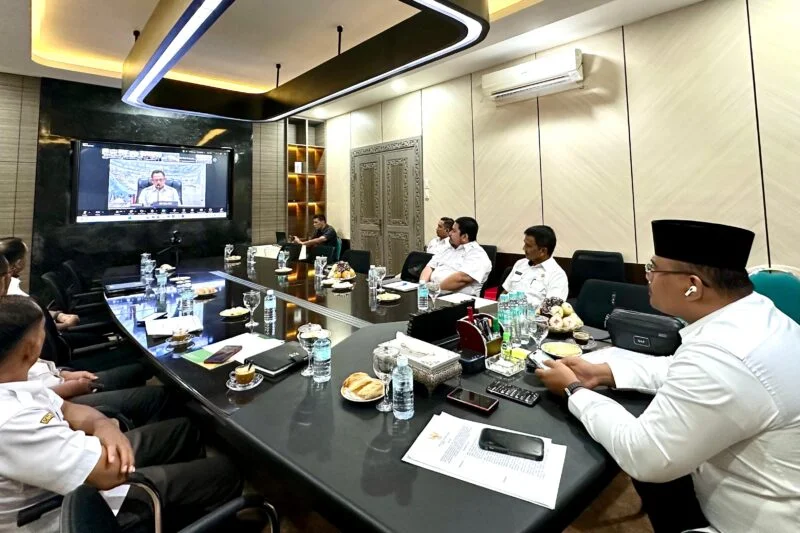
(430, 379)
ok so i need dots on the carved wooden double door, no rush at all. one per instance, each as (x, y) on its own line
(386, 201)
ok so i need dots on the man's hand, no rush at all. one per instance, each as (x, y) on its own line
(556, 377)
(81, 374)
(118, 447)
(591, 375)
(73, 387)
(68, 321)
(297, 240)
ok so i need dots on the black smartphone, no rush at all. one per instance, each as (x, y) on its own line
(151, 316)
(474, 400)
(222, 355)
(525, 446)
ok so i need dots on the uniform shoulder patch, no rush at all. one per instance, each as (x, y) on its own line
(47, 418)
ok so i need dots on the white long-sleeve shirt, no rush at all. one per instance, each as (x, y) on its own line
(726, 410)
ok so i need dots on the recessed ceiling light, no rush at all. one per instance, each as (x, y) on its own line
(399, 86)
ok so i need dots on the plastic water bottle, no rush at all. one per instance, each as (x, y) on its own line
(403, 389)
(422, 296)
(372, 279)
(514, 320)
(269, 308)
(503, 311)
(321, 352)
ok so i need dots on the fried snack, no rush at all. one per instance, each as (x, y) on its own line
(370, 391)
(352, 378)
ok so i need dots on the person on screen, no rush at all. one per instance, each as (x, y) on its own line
(159, 191)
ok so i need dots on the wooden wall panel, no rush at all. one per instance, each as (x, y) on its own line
(337, 180)
(366, 126)
(507, 181)
(401, 117)
(693, 128)
(775, 28)
(269, 182)
(586, 178)
(447, 152)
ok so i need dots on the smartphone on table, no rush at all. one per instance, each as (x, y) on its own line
(222, 355)
(514, 444)
(473, 400)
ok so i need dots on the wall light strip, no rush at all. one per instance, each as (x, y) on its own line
(181, 41)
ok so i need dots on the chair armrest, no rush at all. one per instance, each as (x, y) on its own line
(96, 347)
(35, 512)
(84, 307)
(91, 325)
(218, 517)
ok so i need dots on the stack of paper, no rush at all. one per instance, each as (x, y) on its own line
(252, 344)
(164, 327)
(401, 286)
(449, 445)
(458, 297)
(422, 355)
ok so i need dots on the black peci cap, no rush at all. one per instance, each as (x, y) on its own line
(702, 243)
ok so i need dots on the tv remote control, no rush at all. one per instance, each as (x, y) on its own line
(526, 397)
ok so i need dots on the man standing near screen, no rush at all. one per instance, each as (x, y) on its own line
(159, 192)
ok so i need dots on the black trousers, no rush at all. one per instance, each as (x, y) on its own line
(672, 507)
(170, 454)
(142, 405)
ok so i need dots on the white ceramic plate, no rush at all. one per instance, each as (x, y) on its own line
(178, 279)
(388, 297)
(233, 258)
(235, 312)
(283, 270)
(342, 286)
(328, 282)
(351, 396)
(561, 349)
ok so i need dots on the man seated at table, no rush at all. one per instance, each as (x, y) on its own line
(718, 444)
(463, 266)
(324, 234)
(159, 192)
(53, 446)
(538, 275)
(442, 240)
(15, 251)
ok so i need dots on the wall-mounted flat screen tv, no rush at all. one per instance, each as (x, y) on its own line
(125, 182)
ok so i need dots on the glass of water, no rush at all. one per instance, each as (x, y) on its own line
(380, 273)
(228, 251)
(434, 290)
(251, 299)
(384, 359)
(251, 255)
(282, 258)
(319, 265)
(307, 335)
(161, 278)
(538, 327)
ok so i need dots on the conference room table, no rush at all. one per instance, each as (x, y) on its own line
(343, 458)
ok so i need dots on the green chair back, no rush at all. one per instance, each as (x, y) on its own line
(783, 288)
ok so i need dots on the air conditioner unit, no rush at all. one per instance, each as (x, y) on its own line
(551, 74)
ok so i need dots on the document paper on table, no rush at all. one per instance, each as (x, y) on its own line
(449, 445)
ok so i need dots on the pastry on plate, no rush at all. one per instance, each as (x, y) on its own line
(205, 291)
(370, 391)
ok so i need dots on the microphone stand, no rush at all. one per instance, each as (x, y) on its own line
(175, 246)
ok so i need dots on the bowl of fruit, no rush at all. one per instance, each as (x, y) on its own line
(342, 271)
(562, 318)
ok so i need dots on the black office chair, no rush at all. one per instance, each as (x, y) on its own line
(504, 277)
(56, 291)
(491, 251)
(413, 266)
(76, 274)
(589, 264)
(359, 260)
(175, 184)
(599, 297)
(280, 237)
(325, 251)
(293, 249)
(85, 511)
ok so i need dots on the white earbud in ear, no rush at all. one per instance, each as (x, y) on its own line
(691, 290)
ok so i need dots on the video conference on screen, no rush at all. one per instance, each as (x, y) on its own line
(119, 182)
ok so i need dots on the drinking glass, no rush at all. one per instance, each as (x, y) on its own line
(434, 290)
(228, 251)
(251, 300)
(539, 326)
(148, 265)
(186, 299)
(384, 359)
(319, 264)
(380, 273)
(306, 335)
(161, 278)
(251, 255)
(282, 257)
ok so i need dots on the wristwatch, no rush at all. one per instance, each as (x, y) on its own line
(572, 388)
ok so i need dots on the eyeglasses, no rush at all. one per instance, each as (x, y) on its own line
(650, 269)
